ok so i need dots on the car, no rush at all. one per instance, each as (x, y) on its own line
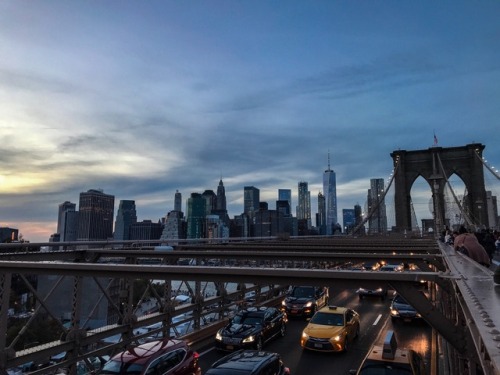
(392, 267)
(331, 329)
(251, 328)
(421, 283)
(304, 301)
(371, 266)
(388, 359)
(249, 362)
(378, 292)
(161, 357)
(400, 309)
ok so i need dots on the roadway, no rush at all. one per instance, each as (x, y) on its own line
(375, 322)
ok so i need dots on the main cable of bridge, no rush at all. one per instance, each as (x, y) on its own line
(379, 201)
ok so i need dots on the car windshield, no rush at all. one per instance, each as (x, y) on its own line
(401, 300)
(301, 292)
(247, 319)
(328, 319)
(116, 367)
(385, 368)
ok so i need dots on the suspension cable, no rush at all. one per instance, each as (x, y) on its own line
(377, 204)
(493, 171)
(457, 202)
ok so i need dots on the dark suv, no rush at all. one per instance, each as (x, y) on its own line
(249, 362)
(251, 329)
(304, 301)
(164, 357)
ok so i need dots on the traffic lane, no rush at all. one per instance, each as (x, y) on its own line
(374, 315)
(416, 335)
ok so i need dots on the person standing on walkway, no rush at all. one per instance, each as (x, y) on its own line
(468, 244)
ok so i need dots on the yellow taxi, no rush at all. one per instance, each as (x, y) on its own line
(331, 329)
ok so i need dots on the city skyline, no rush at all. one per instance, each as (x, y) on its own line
(144, 99)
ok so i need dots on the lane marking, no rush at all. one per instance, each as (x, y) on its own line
(377, 320)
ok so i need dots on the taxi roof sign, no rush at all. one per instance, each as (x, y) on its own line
(390, 346)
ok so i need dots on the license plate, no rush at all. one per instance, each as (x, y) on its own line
(229, 347)
(316, 345)
(294, 311)
(407, 319)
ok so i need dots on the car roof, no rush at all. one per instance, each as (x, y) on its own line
(242, 361)
(400, 356)
(255, 311)
(391, 265)
(389, 351)
(144, 352)
(333, 309)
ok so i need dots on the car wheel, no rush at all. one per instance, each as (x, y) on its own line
(258, 344)
(346, 344)
(357, 332)
(283, 330)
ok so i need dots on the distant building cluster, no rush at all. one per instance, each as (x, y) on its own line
(206, 216)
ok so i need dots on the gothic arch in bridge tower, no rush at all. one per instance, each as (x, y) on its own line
(436, 165)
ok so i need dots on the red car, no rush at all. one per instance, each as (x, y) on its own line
(163, 357)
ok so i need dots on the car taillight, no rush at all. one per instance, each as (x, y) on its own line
(196, 355)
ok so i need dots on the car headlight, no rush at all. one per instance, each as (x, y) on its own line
(305, 336)
(379, 290)
(249, 339)
(337, 338)
(308, 304)
(394, 312)
(283, 303)
(218, 336)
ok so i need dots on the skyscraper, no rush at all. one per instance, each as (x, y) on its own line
(95, 218)
(377, 223)
(304, 206)
(196, 212)
(125, 217)
(221, 208)
(285, 195)
(221, 197)
(178, 201)
(211, 201)
(348, 219)
(67, 222)
(321, 215)
(251, 199)
(330, 192)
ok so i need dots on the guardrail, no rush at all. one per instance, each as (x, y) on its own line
(95, 346)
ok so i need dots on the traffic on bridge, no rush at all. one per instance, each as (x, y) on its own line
(193, 290)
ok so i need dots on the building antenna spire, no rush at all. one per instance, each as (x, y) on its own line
(328, 159)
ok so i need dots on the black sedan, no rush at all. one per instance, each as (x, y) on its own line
(304, 301)
(251, 329)
(378, 292)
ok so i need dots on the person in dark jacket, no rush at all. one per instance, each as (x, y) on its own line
(488, 242)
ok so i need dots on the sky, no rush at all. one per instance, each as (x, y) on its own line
(143, 98)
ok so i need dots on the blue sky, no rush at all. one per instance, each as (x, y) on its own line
(141, 98)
